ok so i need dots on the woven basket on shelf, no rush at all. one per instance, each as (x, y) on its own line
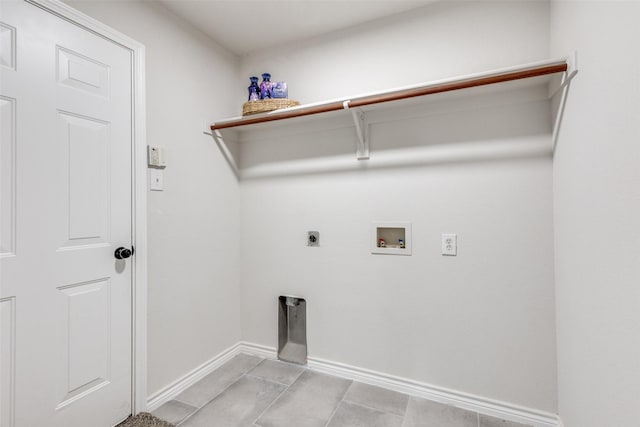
(266, 105)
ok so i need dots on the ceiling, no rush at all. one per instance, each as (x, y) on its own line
(242, 26)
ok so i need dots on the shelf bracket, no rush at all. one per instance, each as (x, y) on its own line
(572, 70)
(222, 146)
(362, 129)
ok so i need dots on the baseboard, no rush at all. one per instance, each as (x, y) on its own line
(172, 390)
(258, 350)
(467, 401)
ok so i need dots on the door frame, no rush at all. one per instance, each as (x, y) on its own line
(139, 190)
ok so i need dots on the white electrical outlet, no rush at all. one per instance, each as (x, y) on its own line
(449, 244)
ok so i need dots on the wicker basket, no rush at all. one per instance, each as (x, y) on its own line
(266, 105)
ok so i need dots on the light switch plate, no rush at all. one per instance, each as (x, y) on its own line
(156, 180)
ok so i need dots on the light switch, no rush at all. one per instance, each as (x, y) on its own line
(156, 181)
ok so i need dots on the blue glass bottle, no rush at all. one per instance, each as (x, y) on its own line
(254, 89)
(266, 86)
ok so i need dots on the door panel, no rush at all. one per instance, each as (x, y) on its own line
(7, 177)
(84, 142)
(7, 46)
(66, 158)
(80, 72)
(88, 352)
(7, 362)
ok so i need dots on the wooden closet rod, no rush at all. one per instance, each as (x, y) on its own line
(395, 96)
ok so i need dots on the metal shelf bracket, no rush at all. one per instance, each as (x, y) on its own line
(362, 130)
(572, 70)
(222, 146)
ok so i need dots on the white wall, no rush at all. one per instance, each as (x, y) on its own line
(597, 215)
(441, 40)
(194, 223)
(469, 323)
(480, 323)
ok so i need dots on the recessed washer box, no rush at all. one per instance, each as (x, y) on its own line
(391, 238)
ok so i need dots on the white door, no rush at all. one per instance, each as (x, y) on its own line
(65, 206)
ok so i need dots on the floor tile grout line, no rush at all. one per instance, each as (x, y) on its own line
(339, 404)
(191, 415)
(184, 403)
(286, 389)
(187, 417)
(406, 411)
(351, 402)
(303, 368)
(222, 391)
(216, 396)
(406, 408)
(269, 380)
(270, 405)
(244, 374)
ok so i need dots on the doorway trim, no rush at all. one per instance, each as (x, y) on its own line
(139, 190)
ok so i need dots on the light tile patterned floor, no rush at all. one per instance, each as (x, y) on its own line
(252, 392)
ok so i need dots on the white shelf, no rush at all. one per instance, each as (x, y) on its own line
(357, 107)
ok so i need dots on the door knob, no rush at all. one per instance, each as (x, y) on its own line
(123, 253)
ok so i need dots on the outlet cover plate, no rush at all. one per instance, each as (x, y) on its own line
(450, 244)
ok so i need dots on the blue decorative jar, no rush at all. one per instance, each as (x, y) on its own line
(254, 89)
(266, 87)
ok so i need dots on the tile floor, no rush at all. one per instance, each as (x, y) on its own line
(252, 392)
